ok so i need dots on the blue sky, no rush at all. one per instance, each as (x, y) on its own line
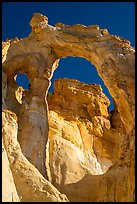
(117, 17)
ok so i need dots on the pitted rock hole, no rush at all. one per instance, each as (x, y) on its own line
(72, 68)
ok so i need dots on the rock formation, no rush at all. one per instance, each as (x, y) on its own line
(67, 145)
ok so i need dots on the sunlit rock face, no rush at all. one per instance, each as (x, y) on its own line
(67, 146)
(9, 192)
(78, 115)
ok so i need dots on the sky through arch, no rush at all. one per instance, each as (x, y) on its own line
(73, 69)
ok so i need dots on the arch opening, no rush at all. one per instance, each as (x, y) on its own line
(23, 82)
(80, 69)
(84, 111)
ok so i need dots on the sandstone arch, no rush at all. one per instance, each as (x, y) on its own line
(38, 54)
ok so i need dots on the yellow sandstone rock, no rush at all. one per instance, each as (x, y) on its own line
(67, 145)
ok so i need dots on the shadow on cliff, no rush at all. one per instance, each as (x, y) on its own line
(87, 189)
(108, 187)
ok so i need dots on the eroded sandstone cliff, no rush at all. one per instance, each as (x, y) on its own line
(67, 146)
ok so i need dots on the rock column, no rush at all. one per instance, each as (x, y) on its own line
(33, 124)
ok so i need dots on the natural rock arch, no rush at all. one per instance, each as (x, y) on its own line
(38, 55)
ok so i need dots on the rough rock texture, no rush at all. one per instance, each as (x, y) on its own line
(69, 144)
(77, 117)
(30, 184)
(82, 144)
(9, 192)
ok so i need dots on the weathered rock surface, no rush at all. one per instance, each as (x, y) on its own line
(77, 116)
(9, 192)
(69, 143)
(82, 143)
(30, 184)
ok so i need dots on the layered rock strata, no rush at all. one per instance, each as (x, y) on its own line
(73, 143)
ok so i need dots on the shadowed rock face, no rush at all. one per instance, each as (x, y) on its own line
(69, 139)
